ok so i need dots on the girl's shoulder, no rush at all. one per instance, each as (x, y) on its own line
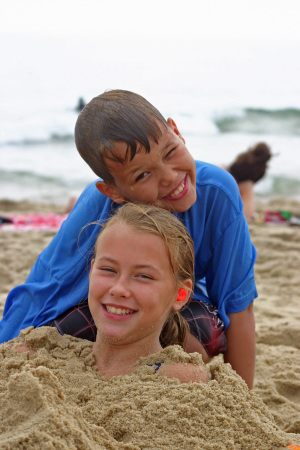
(174, 362)
(184, 372)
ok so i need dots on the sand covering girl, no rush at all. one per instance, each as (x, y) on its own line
(54, 396)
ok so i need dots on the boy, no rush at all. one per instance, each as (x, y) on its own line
(141, 157)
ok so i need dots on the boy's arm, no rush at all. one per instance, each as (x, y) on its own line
(240, 336)
(59, 278)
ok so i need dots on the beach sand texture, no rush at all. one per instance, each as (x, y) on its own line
(55, 398)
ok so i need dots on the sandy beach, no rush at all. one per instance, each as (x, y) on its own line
(56, 399)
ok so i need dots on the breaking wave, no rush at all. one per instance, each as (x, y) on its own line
(259, 121)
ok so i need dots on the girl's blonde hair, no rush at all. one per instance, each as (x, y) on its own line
(180, 247)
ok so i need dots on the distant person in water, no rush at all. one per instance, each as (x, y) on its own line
(248, 168)
(80, 104)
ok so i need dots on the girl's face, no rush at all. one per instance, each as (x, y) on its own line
(132, 286)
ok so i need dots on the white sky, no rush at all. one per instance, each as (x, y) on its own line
(167, 19)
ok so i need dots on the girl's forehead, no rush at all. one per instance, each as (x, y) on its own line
(120, 228)
(132, 236)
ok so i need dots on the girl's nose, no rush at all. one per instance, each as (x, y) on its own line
(119, 289)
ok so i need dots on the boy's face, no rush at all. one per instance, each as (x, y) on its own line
(165, 177)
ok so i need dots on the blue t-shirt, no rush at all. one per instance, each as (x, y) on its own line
(224, 255)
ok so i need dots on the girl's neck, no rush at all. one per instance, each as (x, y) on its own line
(113, 359)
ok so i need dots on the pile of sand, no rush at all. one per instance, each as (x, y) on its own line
(57, 396)
(56, 399)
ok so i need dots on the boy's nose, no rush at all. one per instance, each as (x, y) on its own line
(168, 178)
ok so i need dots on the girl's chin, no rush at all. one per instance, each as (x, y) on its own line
(117, 339)
(112, 337)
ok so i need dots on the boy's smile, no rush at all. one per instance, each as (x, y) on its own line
(165, 177)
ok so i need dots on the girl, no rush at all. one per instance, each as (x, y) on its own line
(140, 277)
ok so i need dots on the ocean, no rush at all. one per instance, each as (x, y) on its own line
(224, 98)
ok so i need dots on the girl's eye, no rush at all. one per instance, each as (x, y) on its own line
(107, 269)
(141, 176)
(145, 276)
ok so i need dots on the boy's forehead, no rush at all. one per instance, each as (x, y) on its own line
(123, 165)
(120, 148)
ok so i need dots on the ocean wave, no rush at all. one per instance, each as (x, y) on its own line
(52, 139)
(259, 121)
(20, 185)
(24, 177)
(285, 121)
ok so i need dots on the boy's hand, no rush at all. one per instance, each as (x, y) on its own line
(241, 344)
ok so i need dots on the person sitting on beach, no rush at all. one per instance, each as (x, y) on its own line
(248, 168)
(141, 276)
(141, 157)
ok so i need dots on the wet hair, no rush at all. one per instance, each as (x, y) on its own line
(112, 117)
(180, 247)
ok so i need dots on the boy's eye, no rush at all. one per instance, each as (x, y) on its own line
(141, 176)
(170, 152)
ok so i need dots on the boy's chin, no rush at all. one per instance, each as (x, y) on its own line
(179, 206)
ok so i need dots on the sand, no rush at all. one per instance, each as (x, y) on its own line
(56, 399)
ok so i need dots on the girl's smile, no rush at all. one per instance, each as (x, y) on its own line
(118, 312)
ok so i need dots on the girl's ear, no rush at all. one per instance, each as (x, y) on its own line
(173, 126)
(110, 191)
(92, 265)
(183, 294)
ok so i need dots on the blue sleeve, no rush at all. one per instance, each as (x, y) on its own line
(59, 278)
(224, 253)
(230, 276)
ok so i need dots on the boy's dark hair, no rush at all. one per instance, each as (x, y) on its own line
(115, 116)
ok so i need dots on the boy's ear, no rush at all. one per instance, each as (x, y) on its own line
(110, 191)
(182, 299)
(173, 125)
